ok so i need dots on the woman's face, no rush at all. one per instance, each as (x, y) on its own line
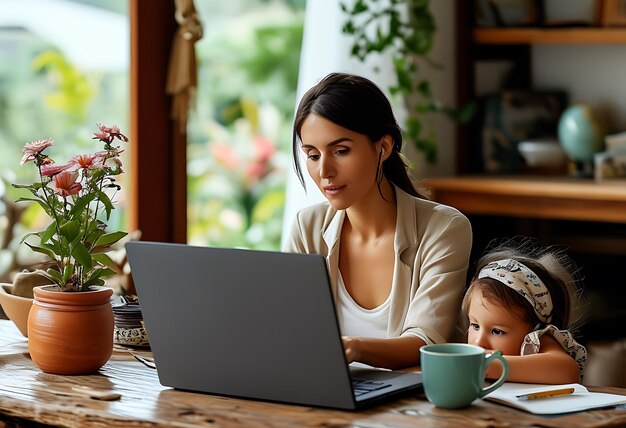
(494, 326)
(341, 162)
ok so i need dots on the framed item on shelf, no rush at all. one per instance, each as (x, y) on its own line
(508, 13)
(511, 116)
(613, 13)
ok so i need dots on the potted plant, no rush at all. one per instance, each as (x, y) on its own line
(70, 325)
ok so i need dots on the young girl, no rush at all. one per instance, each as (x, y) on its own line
(397, 262)
(521, 301)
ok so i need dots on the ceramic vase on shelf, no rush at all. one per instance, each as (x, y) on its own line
(581, 134)
(70, 333)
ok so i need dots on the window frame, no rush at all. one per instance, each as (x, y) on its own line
(158, 191)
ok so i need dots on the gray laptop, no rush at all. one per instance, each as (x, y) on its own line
(251, 324)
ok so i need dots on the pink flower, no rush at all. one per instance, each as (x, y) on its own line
(49, 169)
(109, 159)
(259, 167)
(31, 150)
(263, 148)
(255, 171)
(103, 136)
(65, 183)
(85, 162)
(109, 133)
(226, 156)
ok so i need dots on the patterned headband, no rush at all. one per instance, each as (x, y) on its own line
(520, 278)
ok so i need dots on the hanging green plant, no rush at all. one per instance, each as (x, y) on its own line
(382, 26)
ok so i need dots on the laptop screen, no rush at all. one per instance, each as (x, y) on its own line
(245, 323)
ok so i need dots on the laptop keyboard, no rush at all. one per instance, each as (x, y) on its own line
(362, 386)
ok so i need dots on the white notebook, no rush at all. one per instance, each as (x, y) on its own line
(578, 401)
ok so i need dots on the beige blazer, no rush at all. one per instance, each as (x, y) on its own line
(432, 247)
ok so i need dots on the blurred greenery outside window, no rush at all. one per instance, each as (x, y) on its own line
(63, 68)
(239, 135)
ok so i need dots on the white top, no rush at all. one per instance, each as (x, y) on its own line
(355, 320)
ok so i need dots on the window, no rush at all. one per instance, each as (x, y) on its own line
(239, 135)
(63, 68)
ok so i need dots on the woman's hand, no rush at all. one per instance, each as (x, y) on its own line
(352, 348)
(394, 353)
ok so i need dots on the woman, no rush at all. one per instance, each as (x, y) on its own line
(397, 262)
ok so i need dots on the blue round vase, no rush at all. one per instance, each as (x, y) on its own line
(581, 133)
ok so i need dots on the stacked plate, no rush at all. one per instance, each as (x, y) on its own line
(129, 327)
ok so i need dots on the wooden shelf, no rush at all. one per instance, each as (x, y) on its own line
(524, 36)
(560, 198)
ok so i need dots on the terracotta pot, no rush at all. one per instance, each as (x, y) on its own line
(15, 307)
(70, 332)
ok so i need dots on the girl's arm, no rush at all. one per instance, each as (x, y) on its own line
(394, 353)
(551, 365)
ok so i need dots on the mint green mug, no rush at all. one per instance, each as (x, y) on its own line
(454, 373)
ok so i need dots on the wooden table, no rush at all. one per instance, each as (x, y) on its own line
(29, 397)
(558, 198)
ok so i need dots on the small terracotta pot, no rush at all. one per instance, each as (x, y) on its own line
(70, 332)
(15, 307)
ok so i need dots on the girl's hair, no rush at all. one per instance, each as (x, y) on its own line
(355, 103)
(555, 269)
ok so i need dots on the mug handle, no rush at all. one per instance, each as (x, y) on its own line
(497, 355)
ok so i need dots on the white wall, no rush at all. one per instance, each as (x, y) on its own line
(443, 81)
(595, 74)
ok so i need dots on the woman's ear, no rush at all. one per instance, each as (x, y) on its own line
(386, 147)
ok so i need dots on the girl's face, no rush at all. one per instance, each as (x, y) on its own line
(341, 162)
(494, 326)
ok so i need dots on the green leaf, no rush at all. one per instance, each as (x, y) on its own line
(81, 255)
(466, 113)
(70, 230)
(106, 272)
(360, 7)
(67, 272)
(49, 233)
(108, 205)
(110, 238)
(57, 247)
(95, 277)
(25, 237)
(95, 281)
(42, 250)
(97, 175)
(55, 275)
(32, 188)
(81, 204)
(105, 260)
(348, 28)
(43, 204)
(414, 128)
(22, 186)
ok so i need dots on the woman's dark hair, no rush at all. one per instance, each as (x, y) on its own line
(357, 104)
(555, 269)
